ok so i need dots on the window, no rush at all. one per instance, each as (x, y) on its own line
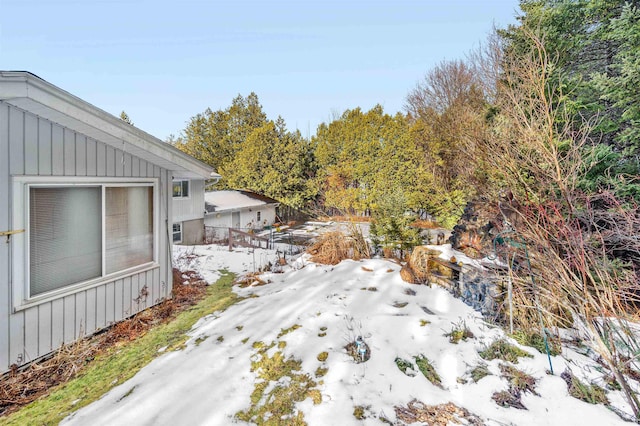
(80, 232)
(258, 217)
(177, 232)
(180, 188)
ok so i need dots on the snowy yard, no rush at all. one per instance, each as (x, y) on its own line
(308, 309)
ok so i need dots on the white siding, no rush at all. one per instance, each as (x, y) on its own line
(30, 145)
(267, 217)
(191, 207)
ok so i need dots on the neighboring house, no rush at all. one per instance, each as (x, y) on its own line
(85, 216)
(238, 209)
(188, 209)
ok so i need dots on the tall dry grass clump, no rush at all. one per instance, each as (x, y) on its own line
(333, 247)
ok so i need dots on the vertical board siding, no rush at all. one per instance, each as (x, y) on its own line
(30, 145)
(44, 329)
(91, 168)
(90, 306)
(57, 150)
(44, 147)
(16, 141)
(31, 323)
(81, 155)
(31, 150)
(69, 152)
(81, 315)
(5, 294)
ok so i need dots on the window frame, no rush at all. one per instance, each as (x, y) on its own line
(182, 181)
(20, 254)
(173, 240)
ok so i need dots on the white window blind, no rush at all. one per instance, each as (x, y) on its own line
(65, 236)
(129, 227)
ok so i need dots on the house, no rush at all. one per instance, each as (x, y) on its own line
(238, 209)
(85, 211)
(188, 209)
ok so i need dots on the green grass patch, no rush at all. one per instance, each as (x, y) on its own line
(518, 380)
(459, 332)
(427, 370)
(405, 366)
(591, 393)
(535, 340)
(321, 371)
(120, 363)
(277, 406)
(501, 349)
(479, 372)
(284, 331)
(359, 412)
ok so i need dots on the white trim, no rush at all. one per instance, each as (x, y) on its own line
(20, 288)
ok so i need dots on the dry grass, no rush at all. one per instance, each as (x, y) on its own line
(20, 387)
(436, 415)
(334, 247)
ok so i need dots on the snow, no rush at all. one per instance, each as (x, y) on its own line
(210, 380)
(230, 200)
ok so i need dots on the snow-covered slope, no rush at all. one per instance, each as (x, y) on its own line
(209, 381)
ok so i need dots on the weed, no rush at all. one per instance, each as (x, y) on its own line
(459, 332)
(321, 371)
(367, 269)
(323, 328)
(509, 398)
(518, 379)
(240, 327)
(322, 356)
(284, 331)
(535, 340)
(322, 334)
(359, 412)
(428, 370)
(405, 366)
(245, 340)
(372, 289)
(282, 344)
(479, 372)
(201, 339)
(400, 304)
(501, 349)
(220, 339)
(424, 322)
(591, 393)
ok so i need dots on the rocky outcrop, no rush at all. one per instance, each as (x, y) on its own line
(474, 233)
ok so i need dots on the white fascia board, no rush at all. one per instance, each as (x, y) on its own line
(18, 88)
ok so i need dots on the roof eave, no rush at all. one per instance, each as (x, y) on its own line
(29, 92)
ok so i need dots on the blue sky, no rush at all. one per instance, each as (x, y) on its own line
(165, 61)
